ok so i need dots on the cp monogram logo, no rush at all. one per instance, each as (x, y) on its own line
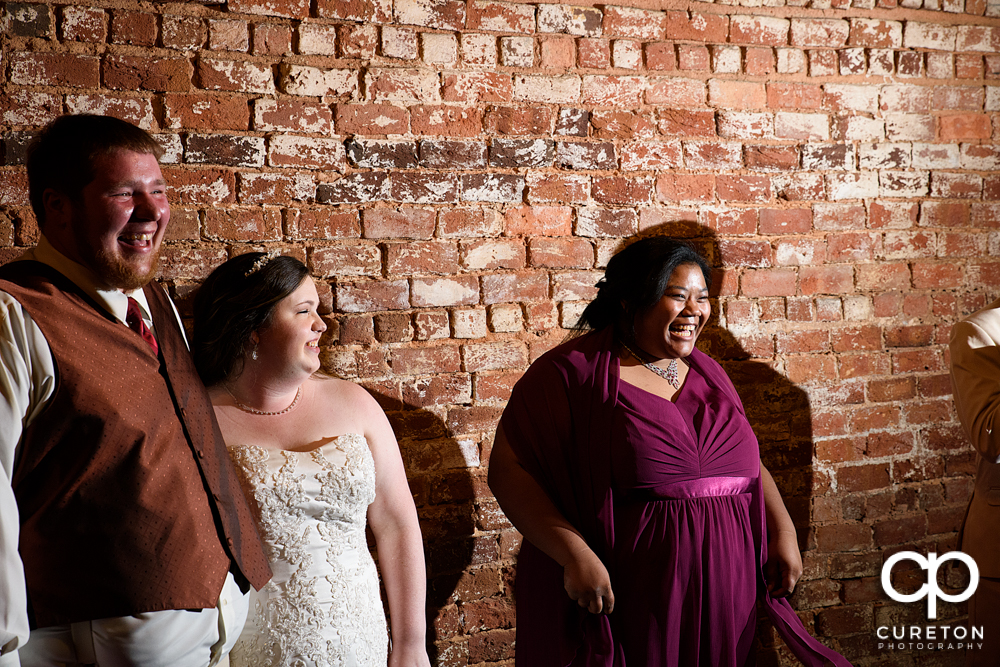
(930, 590)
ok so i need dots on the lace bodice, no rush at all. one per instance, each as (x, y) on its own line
(323, 606)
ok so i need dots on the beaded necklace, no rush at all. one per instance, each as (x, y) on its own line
(669, 374)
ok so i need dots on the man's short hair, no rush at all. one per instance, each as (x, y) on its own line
(62, 156)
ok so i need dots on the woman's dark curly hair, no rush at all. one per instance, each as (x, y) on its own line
(230, 305)
(635, 280)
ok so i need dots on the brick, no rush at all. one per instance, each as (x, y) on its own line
(768, 282)
(661, 57)
(133, 28)
(743, 188)
(560, 253)
(687, 123)
(518, 121)
(745, 125)
(445, 120)
(805, 126)
(431, 188)
(274, 40)
(830, 33)
(874, 33)
(957, 98)
(826, 280)
(730, 221)
(371, 119)
(80, 24)
(613, 91)
(494, 356)
(883, 276)
(864, 185)
(697, 27)
(771, 158)
(431, 325)
(515, 287)
(619, 191)
(134, 110)
(421, 257)
(452, 291)
(445, 154)
(201, 186)
(593, 53)
(352, 260)
(730, 94)
(243, 224)
(292, 116)
(501, 17)
(757, 254)
(54, 69)
(491, 254)
(785, 221)
(843, 537)
(677, 92)
(381, 154)
(958, 127)
(640, 24)
(558, 52)
(623, 125)
(589, 155)
(232, 75)
(929, 36)
(563, 89)
(693, 58)
(402, 85)
(769, 31)
(226, 150)
(469, 222)
(375, 296)
(496, 188)
(425, 360)
(598, 222)
(228, 35)
(306, 153)
(183, 33)
(822, 63)
(671, 187)
(956, 186)
(441, 14)
(719, 156)
(324, 224)
(293, 9)
(354, 188)
(573, 20)
(272, 188)
(799, 252)
(909, 245)
(538, 221)
(551, 188)
(936, 275)
(521, 153)
(727, 59)
(517, 51)
(478, 87)
(575, 285)
(401, 223)
(205, 112)
(314, 81)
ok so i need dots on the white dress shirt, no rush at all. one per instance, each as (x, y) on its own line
(27, 383)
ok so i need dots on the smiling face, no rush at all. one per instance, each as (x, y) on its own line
(670, 328)
(117, 223)
(289, 343)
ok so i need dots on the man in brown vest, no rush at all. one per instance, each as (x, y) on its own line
(124, 536)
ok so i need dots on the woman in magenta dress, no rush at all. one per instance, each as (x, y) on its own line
(625, 459)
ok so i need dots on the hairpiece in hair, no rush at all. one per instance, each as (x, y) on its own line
(262, 262)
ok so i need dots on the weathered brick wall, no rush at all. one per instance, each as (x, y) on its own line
(456, 173)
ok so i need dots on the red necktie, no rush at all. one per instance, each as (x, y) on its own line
(133, 318)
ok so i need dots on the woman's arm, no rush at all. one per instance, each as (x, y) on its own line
(533, 513)
(393, 520)
(784, 562)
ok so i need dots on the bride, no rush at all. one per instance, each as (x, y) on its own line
(316, 457)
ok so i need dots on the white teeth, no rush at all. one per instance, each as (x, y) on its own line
(137, 237)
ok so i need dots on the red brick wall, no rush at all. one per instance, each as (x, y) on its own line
(456, 173)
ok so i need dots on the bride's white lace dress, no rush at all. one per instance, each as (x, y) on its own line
(322, 608)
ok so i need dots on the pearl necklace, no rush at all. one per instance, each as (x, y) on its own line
(670, 374)
(254, 411)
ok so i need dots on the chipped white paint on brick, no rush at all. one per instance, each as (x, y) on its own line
(903, 183)
(439, 49)
(469, 322)
(317, 39)
(727, 59)
(443, 292)
(929, 36)
(506, 318)
(864, 185)
(317, 82)
(809, 126)
(936, 156)
(548, 89)
(791, 61)
(517, 51)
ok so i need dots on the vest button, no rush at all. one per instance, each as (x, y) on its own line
(201, 453)
(229, 541)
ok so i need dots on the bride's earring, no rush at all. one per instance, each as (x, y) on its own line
(253, 352)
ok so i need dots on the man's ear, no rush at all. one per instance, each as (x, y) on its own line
(58, 209)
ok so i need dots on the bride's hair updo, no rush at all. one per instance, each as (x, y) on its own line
(635, 280)
(237, 299)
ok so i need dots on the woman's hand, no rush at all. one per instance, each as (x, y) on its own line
(409, 656)
(784, 563)
(587, 582)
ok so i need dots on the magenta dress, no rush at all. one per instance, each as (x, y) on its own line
(667, 494)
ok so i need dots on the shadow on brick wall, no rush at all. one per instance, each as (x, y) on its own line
(467, 592)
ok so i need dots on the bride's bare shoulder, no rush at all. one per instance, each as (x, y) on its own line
(344, 393)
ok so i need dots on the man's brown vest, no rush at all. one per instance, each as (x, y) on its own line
(127, 499)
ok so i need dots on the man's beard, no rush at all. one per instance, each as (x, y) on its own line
(117, 273)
